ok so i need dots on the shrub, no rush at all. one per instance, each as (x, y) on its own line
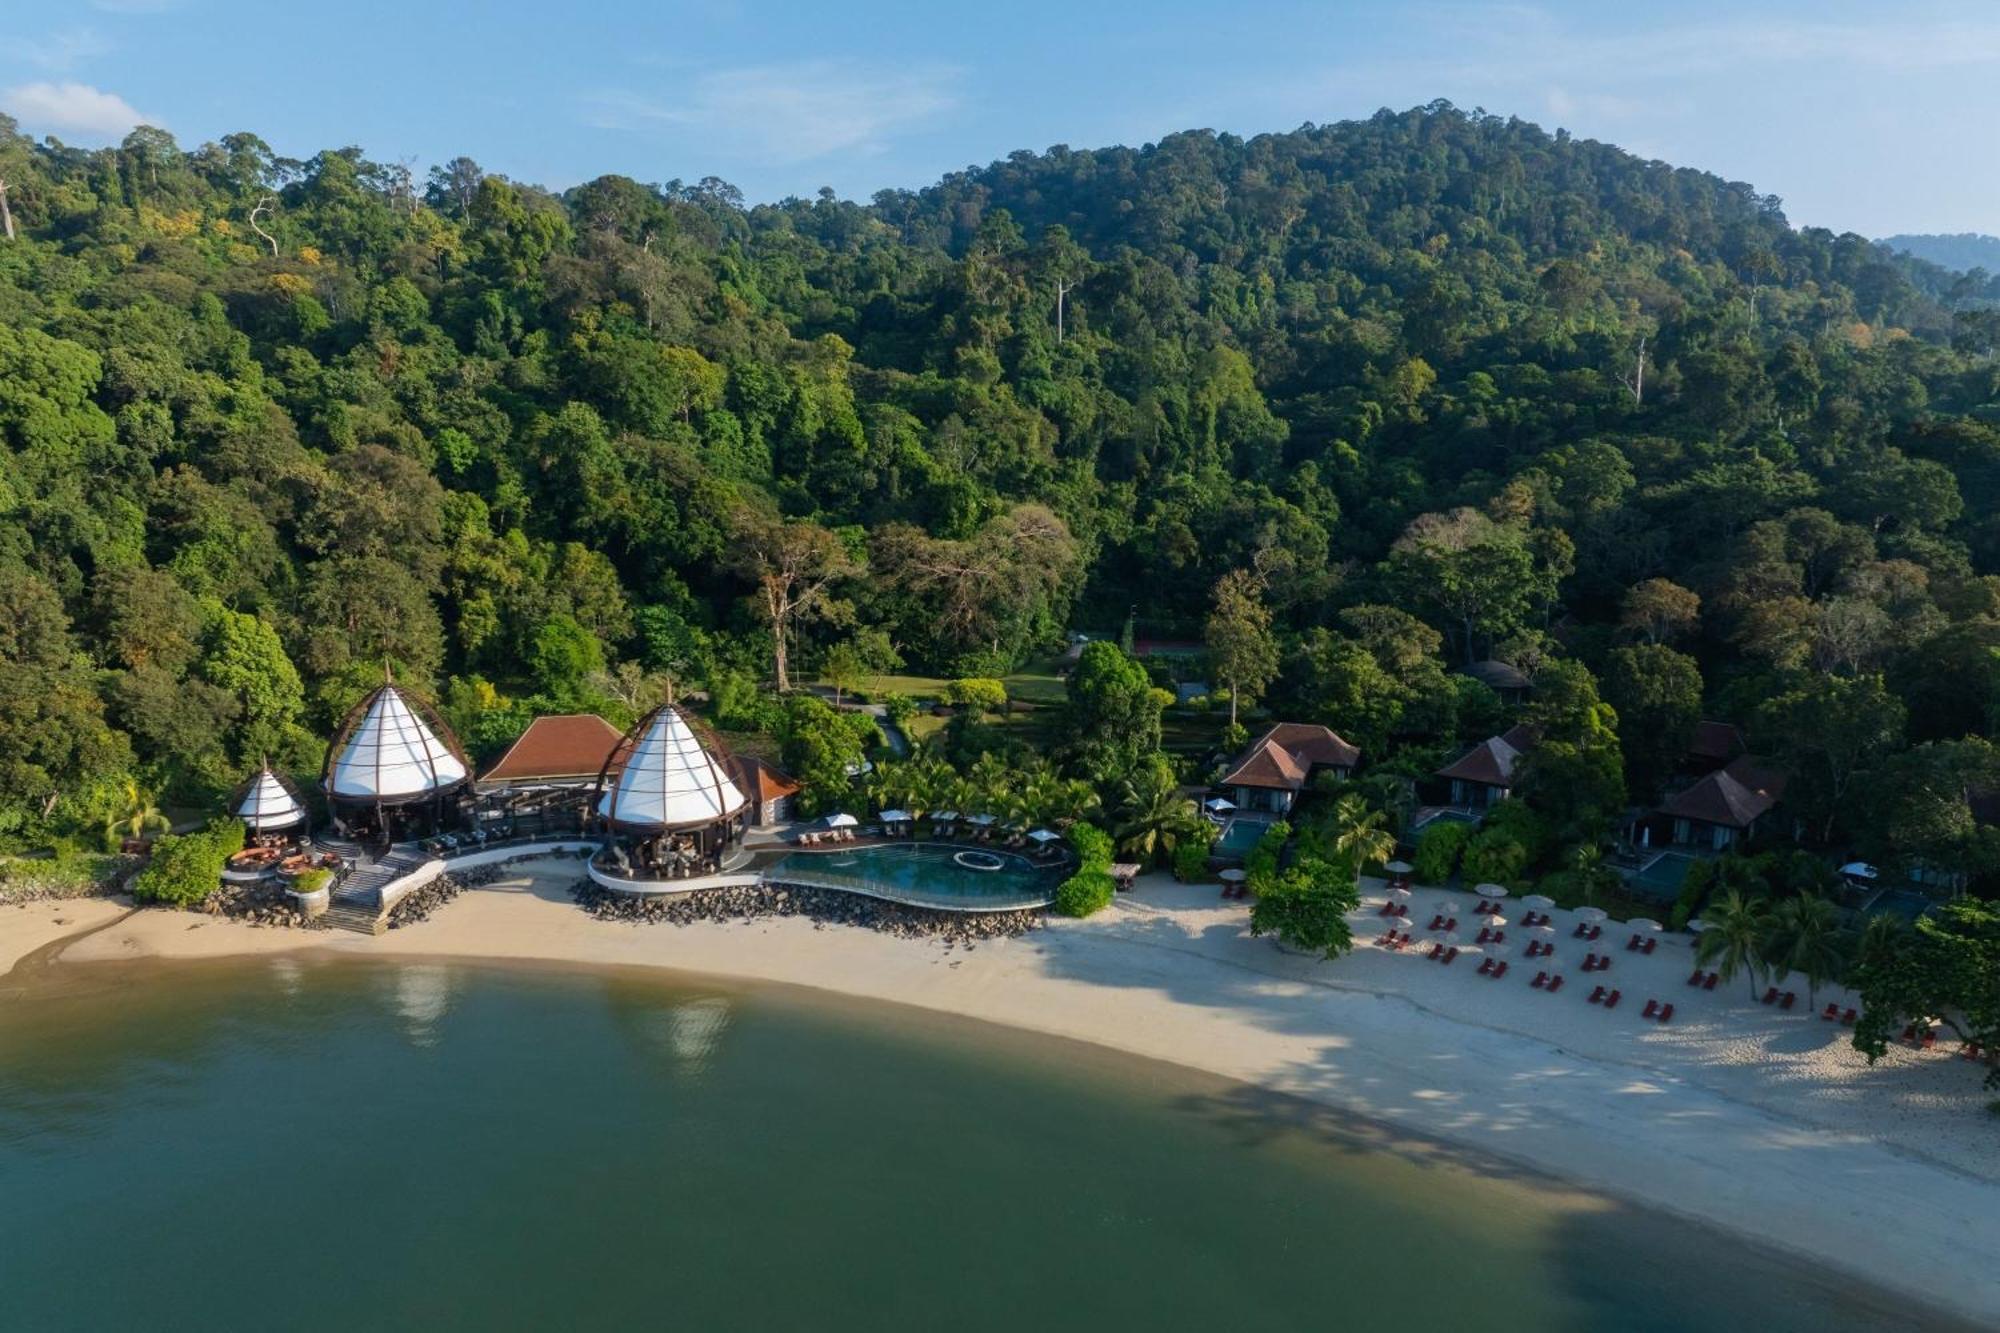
(1438, 849)
(1093, 846)
(1088, 890)
(977, 693)
(899, 708)
(1191, 861)
(312, 881)
(1694, 891)
(1494, 855)
(186, 868)
(1261, 865)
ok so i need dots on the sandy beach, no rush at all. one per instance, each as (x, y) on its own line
(1761, 1122)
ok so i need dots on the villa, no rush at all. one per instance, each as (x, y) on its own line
(1484, 775)
(1504, 679)
(1270, 774)
(1726, 807)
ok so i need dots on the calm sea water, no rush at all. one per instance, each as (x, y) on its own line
(332, 1146)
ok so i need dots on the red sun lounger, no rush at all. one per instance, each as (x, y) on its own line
(1555, 983)
(1632, 944)
(1485, 966)
(1500, 968)
(1597, 996)
(1436, 949)
(1611, 1000)
(1652, 1008)
(1666, 1013)
(1696, 979)
(1789, 997)
(1449, 954)
(1847, 1019)
(1831, 1013)
(1437, 922)
(1771, 997)
(1713, 977)
(1541, 980)
(1652, 943)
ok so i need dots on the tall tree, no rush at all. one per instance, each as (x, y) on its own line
(796, 566)
(1240, 641)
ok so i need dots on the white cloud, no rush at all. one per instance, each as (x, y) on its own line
(788, 113)
(75, 108)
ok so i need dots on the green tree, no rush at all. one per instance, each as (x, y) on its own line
(1737, 937)
(1806, 937)
(1306, 906)
(1240, 642)
(1114, 711)
(1657, 693)
(1829, 731)
(1154, 815)
(1946, 969)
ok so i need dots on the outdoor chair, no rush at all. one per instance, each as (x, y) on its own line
(1611, 1000)
(1713, 977)
(1666, 1013)
(1555, 983)
(1652, 1008)
(1597, 995)
(1500, 969)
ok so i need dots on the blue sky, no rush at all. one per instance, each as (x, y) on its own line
(1875, 118)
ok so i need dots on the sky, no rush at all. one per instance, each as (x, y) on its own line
(1877, 118)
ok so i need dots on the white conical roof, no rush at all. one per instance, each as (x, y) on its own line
(670, 781)
(267, 805)
(392, 756)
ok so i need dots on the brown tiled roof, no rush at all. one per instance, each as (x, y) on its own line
(1286, 755)
(761, 782)
(1491, 762)
(1721, 799)
(1716, 740)
(1752, 773)
(565, 746)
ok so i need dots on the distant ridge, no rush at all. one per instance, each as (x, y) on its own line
(1962, 252)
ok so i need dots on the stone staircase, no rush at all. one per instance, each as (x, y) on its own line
(356, 904)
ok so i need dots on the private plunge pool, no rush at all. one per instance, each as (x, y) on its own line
(926, 874)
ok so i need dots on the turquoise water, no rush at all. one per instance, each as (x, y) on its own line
(339, 1147)
(924, 873)
(1238, 838)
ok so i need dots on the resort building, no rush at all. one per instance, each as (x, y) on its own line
(394, 771)
(269, 806)
(1503, 678)
(545, 780)
(1714, 745)
(671, 806)
(771, 791)
(1270, 774)
(1484, 775)
(1723, 808)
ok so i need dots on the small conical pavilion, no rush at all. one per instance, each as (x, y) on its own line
(393, 767)
(268, 804)
(668, 798)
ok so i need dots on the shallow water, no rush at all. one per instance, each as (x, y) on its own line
(340, 1146)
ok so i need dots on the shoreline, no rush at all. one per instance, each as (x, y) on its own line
(1171, 977)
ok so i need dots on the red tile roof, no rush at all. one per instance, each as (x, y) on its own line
(1719, 798)
(565, 746)
(1285, 756)
(759, 781)
(1491, 762)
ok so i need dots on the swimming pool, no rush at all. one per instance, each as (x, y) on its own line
(1238, 837)
(923, 874)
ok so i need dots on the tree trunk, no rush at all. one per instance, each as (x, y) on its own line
(1232, 706)
(778, 656)
(6, 213)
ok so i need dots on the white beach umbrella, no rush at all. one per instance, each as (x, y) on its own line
(1594, 915)
(1645, 925)
(842, 820)
(1491, 890)
(1447, 908)
(1538, 903)
(943, 816)
(895, 816)
(1697, 926)
(1543, 933)
(1218, 804)
(1399, 867)
(1043, 835)
(981, 820)
(1493, 922)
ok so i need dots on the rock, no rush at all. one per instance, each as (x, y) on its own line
(822, 907)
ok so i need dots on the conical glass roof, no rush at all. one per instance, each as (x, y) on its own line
(670, 780)
(392, 756)
(266, 804)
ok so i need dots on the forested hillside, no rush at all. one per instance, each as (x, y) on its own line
(1446, 387)
(1963, 252)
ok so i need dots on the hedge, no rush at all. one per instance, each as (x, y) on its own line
(1438, 848)
(1088, 890)
(186, 868)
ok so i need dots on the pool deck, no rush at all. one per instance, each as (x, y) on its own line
(767, 865)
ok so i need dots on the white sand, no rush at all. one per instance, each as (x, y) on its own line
(1762, 1122)
(26, 927)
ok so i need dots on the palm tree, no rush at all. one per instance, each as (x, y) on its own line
(1155, 814)
(1805, 937)
(136, 818)
(1738, 929)
(1879, 938)
(1360, 835)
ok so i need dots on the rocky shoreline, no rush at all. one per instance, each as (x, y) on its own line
(263, 904)
(418, 904)
(821, 906)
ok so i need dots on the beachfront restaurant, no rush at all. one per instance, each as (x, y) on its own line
(394, 772)
(544, 782)
(667, 801)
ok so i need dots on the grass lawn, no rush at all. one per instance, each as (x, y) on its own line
(1035, 683)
